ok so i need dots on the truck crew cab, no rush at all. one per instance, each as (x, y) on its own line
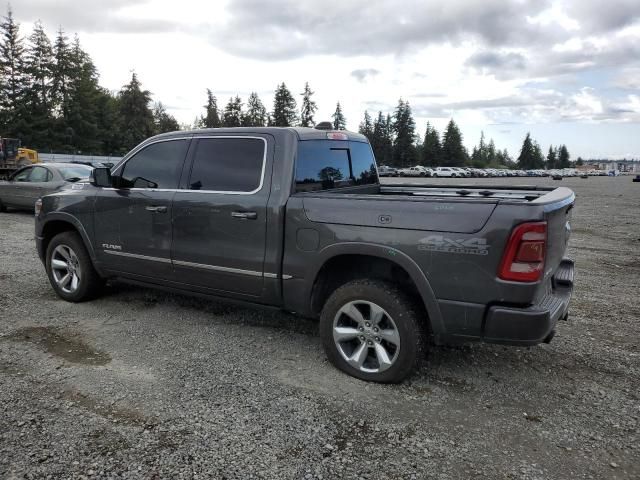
(296, 218)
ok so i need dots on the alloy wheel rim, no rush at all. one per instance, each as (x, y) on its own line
(366, 336)
(65, 267)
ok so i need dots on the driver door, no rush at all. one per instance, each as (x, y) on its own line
(132, 221)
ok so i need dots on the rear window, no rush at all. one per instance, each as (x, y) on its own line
(327, 164)
(75, 171)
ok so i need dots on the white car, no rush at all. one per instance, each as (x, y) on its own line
(445, 172)
(411, 172)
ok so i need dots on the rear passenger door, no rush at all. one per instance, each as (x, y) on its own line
(132, 221)
(219, 219)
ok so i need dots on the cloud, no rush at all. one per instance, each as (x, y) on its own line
(92, 16)
(361, 74)
(585, 104)
(495, 60)
(292, 29)
(596, 17)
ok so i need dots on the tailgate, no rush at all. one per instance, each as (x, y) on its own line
(557, 213)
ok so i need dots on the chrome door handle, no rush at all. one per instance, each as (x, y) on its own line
(245, 215)
(159, 209)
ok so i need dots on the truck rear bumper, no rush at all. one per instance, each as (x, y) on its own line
(536, 323)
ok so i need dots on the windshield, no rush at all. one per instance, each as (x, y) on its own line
(328, 164)
(75, 172)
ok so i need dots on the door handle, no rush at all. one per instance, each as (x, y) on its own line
(158, 209)
(245, 215)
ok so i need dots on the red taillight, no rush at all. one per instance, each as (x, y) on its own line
(337, 136)
(523, 259)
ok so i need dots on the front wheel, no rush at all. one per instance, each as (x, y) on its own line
(372, 330)
(70, 270)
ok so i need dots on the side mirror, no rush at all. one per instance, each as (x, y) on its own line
(101, 177)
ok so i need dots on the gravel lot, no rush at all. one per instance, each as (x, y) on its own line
(142, 384)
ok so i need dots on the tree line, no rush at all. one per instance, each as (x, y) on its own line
(50, 98)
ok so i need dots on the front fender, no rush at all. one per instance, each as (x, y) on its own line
(57, 216)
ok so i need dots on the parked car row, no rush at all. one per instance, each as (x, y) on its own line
(466, 172)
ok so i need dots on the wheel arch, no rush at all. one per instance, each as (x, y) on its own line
(62, 222)
(343, 262)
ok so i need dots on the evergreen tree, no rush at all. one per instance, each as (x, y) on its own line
(377, 139)
(381, 141)
(256, 115)
(162, 120)
(137, 118)
(579, 162)
(61, 74)
(232, 116)
(366, 126)
(552, 158)
(308, 109)
(39, 68)
(491, 153)
(387, 139)
(211, 118)
(339, 122)
(109, 122)
(485, 153)
(404, 129)
(503, 158)
(81, 119)
(284, 108)
(431, 148)
(538, 155)
(12, 77)
(453, 152)
(530, 155)
(563, 157)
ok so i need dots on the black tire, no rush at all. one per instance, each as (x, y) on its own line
(3, 208)
(404, 312)
(89, 282)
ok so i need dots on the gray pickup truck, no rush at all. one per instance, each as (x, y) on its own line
(295, 218)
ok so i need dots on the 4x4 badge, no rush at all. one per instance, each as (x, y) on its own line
(439, 243)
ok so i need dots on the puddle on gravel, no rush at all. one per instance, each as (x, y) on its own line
(53, 341)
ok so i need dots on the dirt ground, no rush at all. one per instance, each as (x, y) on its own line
(142, 384)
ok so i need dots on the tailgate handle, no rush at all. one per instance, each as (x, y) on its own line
(245, 215)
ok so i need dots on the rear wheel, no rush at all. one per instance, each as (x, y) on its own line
(372, 330)
(70, 270)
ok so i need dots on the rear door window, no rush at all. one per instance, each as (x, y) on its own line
(328, 164)
(156, 166)
(228, 165)
(39, 174)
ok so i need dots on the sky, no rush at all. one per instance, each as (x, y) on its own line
(567, 71)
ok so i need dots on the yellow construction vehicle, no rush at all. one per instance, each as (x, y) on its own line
(14, 156)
